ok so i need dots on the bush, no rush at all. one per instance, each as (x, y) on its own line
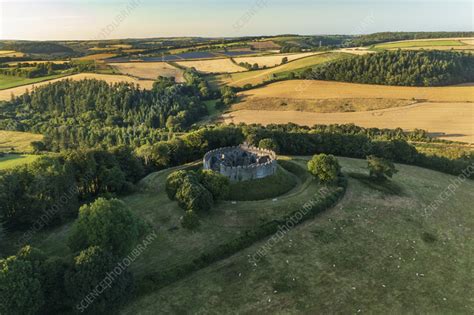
(87, 276)
(106, 223)
(193, 196)
(20, 287)
(324, 167)
(268, 144)
(380, 168)
(176, 180)
(217, 184)
(190, 220)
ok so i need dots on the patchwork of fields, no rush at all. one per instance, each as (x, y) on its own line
(272, 60)
(212, 66)
(111, 79)
(260, 76)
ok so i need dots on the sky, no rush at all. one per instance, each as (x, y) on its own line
(108, 19)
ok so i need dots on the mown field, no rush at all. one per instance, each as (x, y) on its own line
(272, 60)
(146, 84)
(149, 70)
(446, 112)
(8, 81)
(429, 44)
(14, 141)
(260, 76)
(224, 65)
(376, 252)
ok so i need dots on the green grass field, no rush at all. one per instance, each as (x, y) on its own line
(419, 43)
(373, 253)
(13, 160)
(240, 79)
(17, 141)
(7, 81)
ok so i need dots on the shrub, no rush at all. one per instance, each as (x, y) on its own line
(190, 220)
(106, 223)
(89, 271)
(380, 168)
(324, 167)
(217, 184)
(193, 196)
(268, 144)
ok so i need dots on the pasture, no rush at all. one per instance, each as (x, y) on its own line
(8, 81)
(376, 251)
(15, 141)
(14, 160)
(111, 79)
(149, 70)
(260, 76)
(212, 66)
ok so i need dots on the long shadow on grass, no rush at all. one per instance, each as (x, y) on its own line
(387, 187)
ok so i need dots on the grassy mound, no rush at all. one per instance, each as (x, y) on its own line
(260, 189)
(376, 252)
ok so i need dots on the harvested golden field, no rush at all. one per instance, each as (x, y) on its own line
(272, 60)
(314, 89)
(19, 141)
(111, 79)
(149, 70)
(359, 51)
(212, 65)
(450, 121)
(11, 53)
(96, 57)
(260, 76)
(268, 44)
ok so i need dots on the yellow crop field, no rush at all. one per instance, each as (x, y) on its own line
(272, 60)
(260, 76)
(149, 70)
(314, 89)
(212, 65)
(111, 79)
(96, 57)
(18, 141)
(450, 121)
(447, 112)
(11, 53)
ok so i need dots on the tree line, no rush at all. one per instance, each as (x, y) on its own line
(404, 68)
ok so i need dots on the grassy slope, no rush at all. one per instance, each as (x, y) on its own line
(19, 141)
(259, 76)
(371, 253)
(12, 160)
(7, 81)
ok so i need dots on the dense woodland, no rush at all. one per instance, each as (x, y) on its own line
(407, 68)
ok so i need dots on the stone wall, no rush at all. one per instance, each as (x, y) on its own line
(241, 173)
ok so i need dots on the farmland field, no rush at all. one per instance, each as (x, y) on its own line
(13, 160)
(212, 66)
(100, 56)
(11, 53)
(146, 84)
(260, 76)
(149, 70)
(8, 82)
(272, 60)
(18, 141)
(446, 112)
(430, 44)
(374, 252)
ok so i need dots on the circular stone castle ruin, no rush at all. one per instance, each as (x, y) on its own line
(242, 162)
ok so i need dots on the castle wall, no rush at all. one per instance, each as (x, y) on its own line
(243, 173)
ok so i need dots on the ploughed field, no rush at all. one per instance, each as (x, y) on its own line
(446, 112)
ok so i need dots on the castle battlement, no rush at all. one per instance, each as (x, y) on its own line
(240, 163)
